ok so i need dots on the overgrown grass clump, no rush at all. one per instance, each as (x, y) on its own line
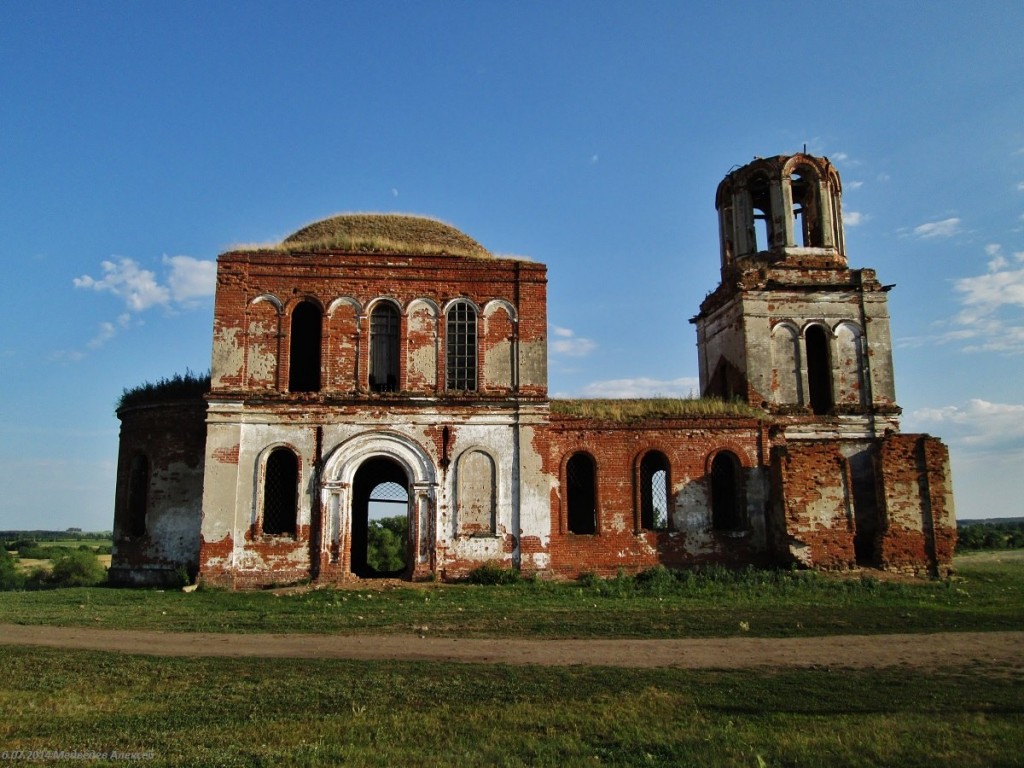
(493, 573)
(178, 387)
(629, 410)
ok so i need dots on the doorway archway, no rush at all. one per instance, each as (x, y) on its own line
(380, 520)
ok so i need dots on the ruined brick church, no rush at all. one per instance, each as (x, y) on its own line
(390, 362)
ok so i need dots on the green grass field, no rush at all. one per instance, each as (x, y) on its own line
(253, 712)
(256, 712)
(987, 595)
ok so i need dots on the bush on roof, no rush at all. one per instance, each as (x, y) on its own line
(190, 386)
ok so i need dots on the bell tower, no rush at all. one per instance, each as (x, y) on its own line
(790, 327)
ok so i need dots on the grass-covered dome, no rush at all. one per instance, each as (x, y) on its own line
(387, 233)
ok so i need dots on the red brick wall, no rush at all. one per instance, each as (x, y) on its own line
(617, 450)
(920, 526)
(324, 277)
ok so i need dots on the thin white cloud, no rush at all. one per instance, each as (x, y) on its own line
(190, 278)
(854, 184)
(108, 330)
(567, 343)
(186, 281)
(854, 218)
(1020, 186)
(125, 279)
(991, 315)
(643, 387)
(945, 228)
(979, 425)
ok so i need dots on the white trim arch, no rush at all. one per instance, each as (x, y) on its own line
(461, 300)
(372, 304)
(339, 472)
(341, 301)
(270, 299)
(494, 305)
(430, 304)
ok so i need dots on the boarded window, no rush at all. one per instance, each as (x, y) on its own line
(280, 493)
(138, 495)
(849, 365)
(819, 370)
(654, 492)
(476, 508)
(461, 352)
(304, 350)
(786, 387)
(581, 494)
(727, 498)
(384, 349)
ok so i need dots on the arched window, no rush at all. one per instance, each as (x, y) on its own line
(806, 212)
(727, 502)
(581, 493)
(384, 348)
(138, 495)
(761, 202)
(461, 353)
(280, 493)
(819, 370)
(304, 350)
(654, 491)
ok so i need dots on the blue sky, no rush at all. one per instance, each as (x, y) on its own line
(139, 140)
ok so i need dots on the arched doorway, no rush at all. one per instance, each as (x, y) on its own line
(380, 520)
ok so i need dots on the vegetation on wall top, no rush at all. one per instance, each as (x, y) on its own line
(381, 233)
(190, 386)
(653, 408)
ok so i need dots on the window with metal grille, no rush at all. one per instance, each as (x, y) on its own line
(280, 493)
(461, 340)
(384, 334)
(581, 493)
(138, 494)
(304, 349)
(654, 491)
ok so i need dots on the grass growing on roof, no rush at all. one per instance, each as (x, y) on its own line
(652, 408)
(381, 233)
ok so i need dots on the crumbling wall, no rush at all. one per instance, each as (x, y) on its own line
(812, 520)
(916, 490)
(161, 545)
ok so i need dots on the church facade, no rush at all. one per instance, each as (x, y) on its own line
(379, 362)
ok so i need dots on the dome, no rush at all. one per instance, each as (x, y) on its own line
(387, 233)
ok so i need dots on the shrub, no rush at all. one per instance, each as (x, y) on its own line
(493, 573)
(76, 569)
(10, 576)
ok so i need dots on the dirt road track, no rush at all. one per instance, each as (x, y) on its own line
(948, 649)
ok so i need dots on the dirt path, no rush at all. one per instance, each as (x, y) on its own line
(857, 651)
